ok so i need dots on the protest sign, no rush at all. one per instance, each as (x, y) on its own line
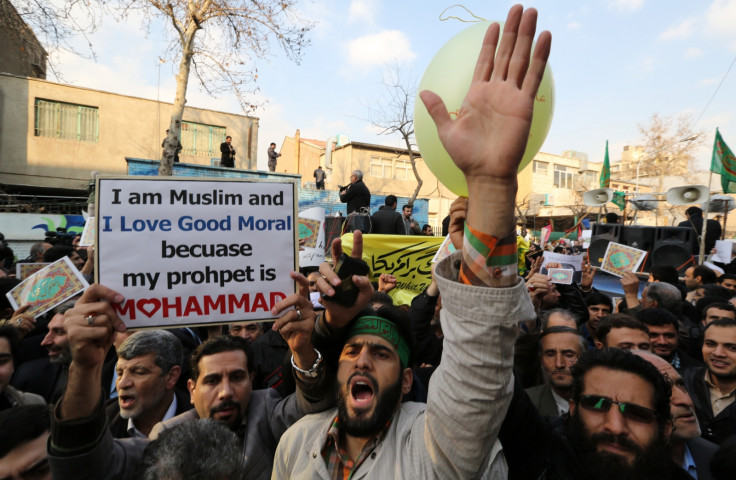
(571, 262)
(723, 251)
(312, 237)
(88, 234)
(195, 251)
(48, 287)
(407, 257)
(445, 250)
(621, 259)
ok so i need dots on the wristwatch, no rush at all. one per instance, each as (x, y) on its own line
(312, 372)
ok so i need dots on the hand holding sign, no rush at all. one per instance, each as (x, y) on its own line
(297, 324)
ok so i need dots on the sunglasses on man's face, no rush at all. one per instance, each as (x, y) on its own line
(630, 411)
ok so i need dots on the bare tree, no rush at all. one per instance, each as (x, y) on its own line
(668, 147)
(395, 114)
(219, 40)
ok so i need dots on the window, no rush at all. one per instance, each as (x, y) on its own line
(201, 139)
(67, 121)
(402, 169)
(563, 177)
(381, 167)
(540, 167)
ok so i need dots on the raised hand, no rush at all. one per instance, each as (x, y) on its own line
(489, 136)
(338, 316)
(297, 323)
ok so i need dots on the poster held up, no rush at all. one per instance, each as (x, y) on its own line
(195, 251)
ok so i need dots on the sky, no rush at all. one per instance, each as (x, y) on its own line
(615, 64)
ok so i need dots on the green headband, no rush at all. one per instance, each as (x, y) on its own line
(385, 329)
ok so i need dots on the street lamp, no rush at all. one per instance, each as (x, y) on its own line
(638, 164)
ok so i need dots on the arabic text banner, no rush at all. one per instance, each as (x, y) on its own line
(195, 251)
(407, 257)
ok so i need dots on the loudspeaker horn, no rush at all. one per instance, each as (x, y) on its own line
(720, 204)
(644, 202)
(598, 197)
(687, 195)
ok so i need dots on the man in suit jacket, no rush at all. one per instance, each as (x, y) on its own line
(148, 367)
(688, 449)
(387, 220)
(227, 157)
(559, 349)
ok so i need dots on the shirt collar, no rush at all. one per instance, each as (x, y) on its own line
(170, 412)
(688, 463)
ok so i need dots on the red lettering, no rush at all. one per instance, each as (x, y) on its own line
(127, 308)
(276, 297)
(168, 306)
(217, 305)
(192, 307)
(260, 302)
(234, 303)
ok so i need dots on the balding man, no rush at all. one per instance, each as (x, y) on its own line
(356, 193)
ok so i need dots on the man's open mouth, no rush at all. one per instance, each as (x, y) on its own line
(361, 390)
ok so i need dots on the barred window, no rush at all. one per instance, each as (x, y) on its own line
(67, 120)
(201, 139)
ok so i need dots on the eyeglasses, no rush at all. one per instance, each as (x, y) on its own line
(630, 411)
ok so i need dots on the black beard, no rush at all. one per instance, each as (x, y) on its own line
(653, 461)
(386, 403)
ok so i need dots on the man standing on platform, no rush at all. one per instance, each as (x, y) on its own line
(227, 159)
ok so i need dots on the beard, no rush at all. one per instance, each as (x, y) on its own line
(234, 423)
(63, 358)
(650, 461)
(385, 405)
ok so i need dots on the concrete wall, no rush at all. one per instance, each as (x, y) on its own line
(128, 127)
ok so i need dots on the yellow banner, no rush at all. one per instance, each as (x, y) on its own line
(407, 257)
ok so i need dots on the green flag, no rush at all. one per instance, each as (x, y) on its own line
(724, 164)
(606, 171)
(619, 199)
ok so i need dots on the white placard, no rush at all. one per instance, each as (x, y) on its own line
(311, 246)
(723, 251)
(574, 262)
(88, 235)
(195, 251)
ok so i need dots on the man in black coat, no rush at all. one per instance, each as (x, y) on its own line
(356, 194)
(695, 221)
(227, 158)
(387, 220)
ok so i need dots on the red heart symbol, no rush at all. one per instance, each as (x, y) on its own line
(149, 307)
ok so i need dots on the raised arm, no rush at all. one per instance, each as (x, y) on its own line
(472, 388)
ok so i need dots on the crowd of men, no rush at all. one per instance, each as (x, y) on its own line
(485, 375)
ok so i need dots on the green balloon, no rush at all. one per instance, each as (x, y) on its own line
(449, 75)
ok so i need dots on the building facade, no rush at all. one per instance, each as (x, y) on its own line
(54, 135)
(386, 170)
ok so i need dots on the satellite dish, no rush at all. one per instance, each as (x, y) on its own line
(598, 197)
(687, 195)
(721, 203)
(644, 202)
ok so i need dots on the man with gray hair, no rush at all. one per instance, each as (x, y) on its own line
(204, 448)
(355, 194)
(149, 365)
